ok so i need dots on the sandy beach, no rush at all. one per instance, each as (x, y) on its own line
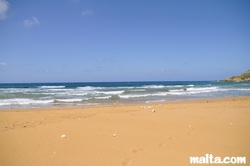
(140, 135)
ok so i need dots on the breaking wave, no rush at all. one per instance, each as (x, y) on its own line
(54, 95)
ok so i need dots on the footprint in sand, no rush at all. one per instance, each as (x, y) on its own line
(161, 145)
(126, 162)
(137, 150)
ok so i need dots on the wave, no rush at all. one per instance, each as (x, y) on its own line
(55, 90)
(193, 90)
(183, 91)
(38, 95)
(102, 98)
(143, 95)
(23, 101)
(133, 91)
(175, 86)
(17, 90)
(67, 100)
(132, 96)
(204, 89)
(113, 97)
(109, 93)
(80, 94)
(52, 87)
(89, 88)
(153, 86)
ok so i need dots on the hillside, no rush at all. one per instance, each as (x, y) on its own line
(240, 78)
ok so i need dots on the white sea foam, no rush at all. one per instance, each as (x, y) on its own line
(177, 93)
(193, 90)
(17, 90)
(160, 94)
(139, 90)
(235, 89)
(153, 86)
(52, 87)
(132, 96)
(201, 90)
(57, 90)
(243, 89)
(23, 101)
(47, 93)
(174, 86)
(69, 100)
(109, 92)
(103, 98)
(89, 88)
(143, 95)
(80, 94)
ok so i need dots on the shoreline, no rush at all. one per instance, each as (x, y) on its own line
(126, 134)
(121, 104)
(122, 93)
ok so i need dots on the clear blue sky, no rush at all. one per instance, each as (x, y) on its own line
(123, 40)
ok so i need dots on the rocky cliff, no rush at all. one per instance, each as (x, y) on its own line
(240, 78)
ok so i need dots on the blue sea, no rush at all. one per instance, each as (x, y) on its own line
(42, 95)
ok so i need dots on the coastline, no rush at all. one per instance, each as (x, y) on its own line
(126, 134)
(46, 95)
(72, 108)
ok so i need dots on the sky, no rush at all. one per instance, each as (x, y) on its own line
(123, 40)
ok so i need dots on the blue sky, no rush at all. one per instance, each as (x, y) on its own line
(123, 40)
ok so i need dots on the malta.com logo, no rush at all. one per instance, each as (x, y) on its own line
(210, 159)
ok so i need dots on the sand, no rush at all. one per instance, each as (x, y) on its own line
(126, 135)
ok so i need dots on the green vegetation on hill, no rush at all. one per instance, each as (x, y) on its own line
(240, 78)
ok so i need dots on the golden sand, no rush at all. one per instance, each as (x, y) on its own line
(126, 135)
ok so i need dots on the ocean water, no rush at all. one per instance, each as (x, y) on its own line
(39, 95)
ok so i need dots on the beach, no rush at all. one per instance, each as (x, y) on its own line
(166, 133)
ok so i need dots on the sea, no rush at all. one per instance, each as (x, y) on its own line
(44, 95)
